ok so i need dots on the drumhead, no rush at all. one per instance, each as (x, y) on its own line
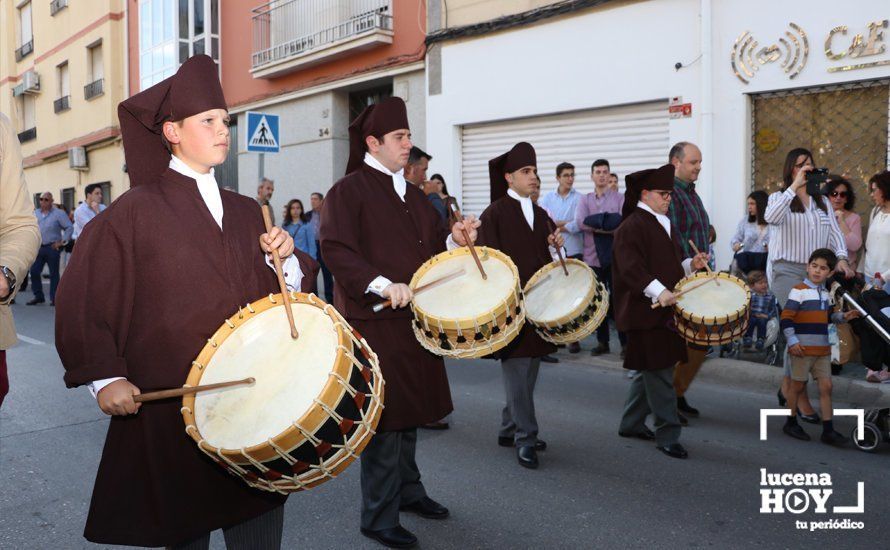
(289, 375)
(711, 300)
(468, 295)
(556, 295)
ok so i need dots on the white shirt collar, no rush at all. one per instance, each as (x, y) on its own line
(207, 186)
(398, 178)
(662, 219)
(528, 209)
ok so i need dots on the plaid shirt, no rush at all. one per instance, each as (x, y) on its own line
(763, 304)
(688, 216)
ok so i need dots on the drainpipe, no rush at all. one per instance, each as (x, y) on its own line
(126, 49)
(707, 100)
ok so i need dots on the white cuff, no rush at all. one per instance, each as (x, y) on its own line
(378, 285)
(450, 244)
(687, 266)
(96, 385)
(293, 275)
(654, 290)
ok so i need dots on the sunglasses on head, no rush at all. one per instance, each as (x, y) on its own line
(841, 194)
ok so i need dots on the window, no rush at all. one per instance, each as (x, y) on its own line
(68, 198)
(28, 112)
(106, 192)
(26, 37)
(358, 100)
(63, 90)
(96, 74)
(171, 31)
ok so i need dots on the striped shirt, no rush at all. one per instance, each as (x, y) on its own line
(689, 218)
(795, 235)
(806, 316)
(764, 304)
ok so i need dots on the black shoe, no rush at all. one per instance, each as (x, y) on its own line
(438, 425)
(527, 456)
(683, 420)
(674, 450)
(683, 406)
(395, 537)
(833, 438)
(795, 431)
(35, 301)
(426, 508)
(540, 445)
(600, 349)
(645, 434)
(549, 359)
(782, 400)
(574, 347)
(836, 369)
(809, 418)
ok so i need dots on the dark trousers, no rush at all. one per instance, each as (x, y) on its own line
(4, 378)
(652, 391)
(259, 533)
(756, 324)
(604, 275)
(518, 417)
(326, 277)
(390, 478)
(47, 255)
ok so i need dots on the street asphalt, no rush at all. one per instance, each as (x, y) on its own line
(593, 490)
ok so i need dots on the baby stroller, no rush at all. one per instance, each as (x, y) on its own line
(771, 343)
(874, 332)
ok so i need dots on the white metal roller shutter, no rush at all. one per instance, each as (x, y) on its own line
(631, 138)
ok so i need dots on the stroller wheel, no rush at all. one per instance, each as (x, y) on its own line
(771, 356)
(871, 440)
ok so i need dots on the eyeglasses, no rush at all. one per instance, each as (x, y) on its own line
(835, 194)
(665, 195)
(43, 199)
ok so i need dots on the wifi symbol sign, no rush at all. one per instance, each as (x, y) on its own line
(793, 49)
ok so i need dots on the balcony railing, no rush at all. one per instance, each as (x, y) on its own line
(56, 5)
(93, 89)
(284, 29)
(28, 135)
(62, 104)
(25, 50)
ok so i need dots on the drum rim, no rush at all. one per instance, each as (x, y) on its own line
(578, 310)
(721, 319)
(311, 420)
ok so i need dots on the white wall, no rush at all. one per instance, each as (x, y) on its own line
(626, 54)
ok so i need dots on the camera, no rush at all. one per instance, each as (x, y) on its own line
(816, 178)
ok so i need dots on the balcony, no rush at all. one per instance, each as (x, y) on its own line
(62, 104)
(57, 5)
(28, 135)
(289, 35)
(93, 89)
(24, 51)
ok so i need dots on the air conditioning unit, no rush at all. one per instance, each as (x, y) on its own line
(31, 83)
(77, 158)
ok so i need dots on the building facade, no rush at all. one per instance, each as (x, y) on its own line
(623, 80)
(61, 78)
(315, 63)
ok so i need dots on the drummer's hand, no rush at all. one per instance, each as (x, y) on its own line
(277, 239)
(796, 350)
(117, 398)
(555, 239)
(399, 294)
(844, 267)
(700, 260)
(471, 224)
(666, 298)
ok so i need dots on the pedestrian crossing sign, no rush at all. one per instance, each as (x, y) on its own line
(262, 133)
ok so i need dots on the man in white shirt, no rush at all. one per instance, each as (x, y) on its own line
(88, 209)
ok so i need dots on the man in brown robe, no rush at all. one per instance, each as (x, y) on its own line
(516, 226)
(155, 275)
(647, 263)
(376, 231)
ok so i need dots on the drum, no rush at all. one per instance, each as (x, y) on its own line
(565, 309)
(313, 408)
(712, 314)
(467, 316)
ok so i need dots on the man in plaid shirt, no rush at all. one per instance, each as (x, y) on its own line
(689, 218)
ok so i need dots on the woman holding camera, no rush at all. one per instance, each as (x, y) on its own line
(801, 220)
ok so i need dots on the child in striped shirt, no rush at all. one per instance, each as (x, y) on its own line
(805, 322)
(763, 308)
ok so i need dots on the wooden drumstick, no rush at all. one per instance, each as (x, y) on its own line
(690, 288)
(457, 218)
(707, 267)
(562, 260)
(432, 284)
(279, 272)
(185, 390)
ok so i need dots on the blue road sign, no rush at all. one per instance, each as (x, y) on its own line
(262, 133)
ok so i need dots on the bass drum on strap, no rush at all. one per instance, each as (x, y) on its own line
(713, 313)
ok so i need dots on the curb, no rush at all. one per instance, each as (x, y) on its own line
(757, 377)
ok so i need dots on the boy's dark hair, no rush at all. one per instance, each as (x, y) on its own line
(755, 277)
(90, 188)
(824, 254)
(417, 154)
(600, 162)
(563, 166)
